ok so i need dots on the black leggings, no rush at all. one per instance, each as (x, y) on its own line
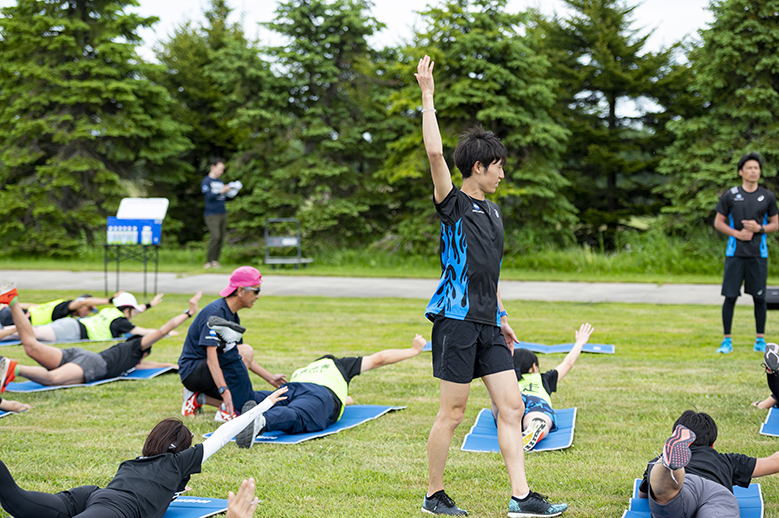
(761, 310)
(773, 385)
(33, 504)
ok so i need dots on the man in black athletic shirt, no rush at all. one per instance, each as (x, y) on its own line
(471, 334)
(746, 214)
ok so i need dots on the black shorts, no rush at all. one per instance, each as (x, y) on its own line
(463, 351)
(123, 357)
(200, 380)
(752, 271)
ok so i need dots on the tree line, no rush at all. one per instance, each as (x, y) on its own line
(604, 136)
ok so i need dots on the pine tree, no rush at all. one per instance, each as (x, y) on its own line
(77, 118)
(486, 74)
(736, 79)
(606, 77)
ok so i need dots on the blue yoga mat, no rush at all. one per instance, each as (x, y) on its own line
(353, 416)
(137, 374)
(484, 433)
(195, 507)
(750, 502)
(771, 424)
(548, 349)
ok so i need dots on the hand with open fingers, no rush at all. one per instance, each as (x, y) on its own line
(583, 334)
(418, 343)
(509, 335)
(278, 395)
(193, 303)
(244, 503)
(277, 380)
(424, 75)
(157, 299)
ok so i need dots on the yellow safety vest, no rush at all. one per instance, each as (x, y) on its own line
(530, 385)
(99, 326)
(41, 314)
(324, 372)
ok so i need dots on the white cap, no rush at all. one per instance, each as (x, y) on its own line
(127, 299)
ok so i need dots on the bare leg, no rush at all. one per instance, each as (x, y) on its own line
(153, 365)
(48, 356)
(664, 487)
(454, 397)
(504, 391)
(68, 374)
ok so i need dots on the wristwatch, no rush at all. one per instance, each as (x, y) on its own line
(222, 390)
(186, 312)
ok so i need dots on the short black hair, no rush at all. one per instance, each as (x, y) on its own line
(750, 156)
(216, 160)
(701, 424)
(523, 361)
(478, 145)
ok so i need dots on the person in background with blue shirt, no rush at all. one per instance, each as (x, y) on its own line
(214, 190)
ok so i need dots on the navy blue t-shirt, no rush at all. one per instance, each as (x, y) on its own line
(471, 254)
(199, 336)
(736, 205)
(215, 200)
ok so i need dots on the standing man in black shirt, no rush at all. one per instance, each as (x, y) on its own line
(215, 192)
(746, 214)
(691, 478)
(471, 334)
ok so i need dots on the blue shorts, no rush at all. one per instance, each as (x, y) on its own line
(536, 404)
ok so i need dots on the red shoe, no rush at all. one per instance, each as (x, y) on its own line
(8, 293)
(190, 407)
(222, 417)
(7, 368)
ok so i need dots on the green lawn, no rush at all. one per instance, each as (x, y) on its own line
(664, 364)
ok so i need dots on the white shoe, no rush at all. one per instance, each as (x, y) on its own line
(190, 406)
(222, 416)
(533, 434)
(245, 438)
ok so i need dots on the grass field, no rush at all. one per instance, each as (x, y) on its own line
(664, 363)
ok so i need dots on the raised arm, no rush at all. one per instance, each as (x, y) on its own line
(87, 301)
(390, 356)
(582, 335)
(442, 178)
(156, 334)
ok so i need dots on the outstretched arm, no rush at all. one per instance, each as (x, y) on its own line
(156, 334)
(766, 466)
(390, 356)
(77, 304)
(442, 178)
(582, 335)
(227, 431)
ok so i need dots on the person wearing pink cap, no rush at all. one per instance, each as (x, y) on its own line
(217, 375)
(109, 323)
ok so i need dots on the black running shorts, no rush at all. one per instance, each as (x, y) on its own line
(463, 351)
(752, 271)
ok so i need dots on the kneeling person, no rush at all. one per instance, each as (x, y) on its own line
(317, 393)
(75, 365)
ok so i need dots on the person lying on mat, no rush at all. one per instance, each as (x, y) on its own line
(143, 487)
(318, 392)
(771, 364)
(6, 405)
(108, 324)
(40, 314)
(690, 478)
(76, 365)
(536, 387)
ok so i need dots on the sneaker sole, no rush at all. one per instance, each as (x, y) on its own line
(529, 442)
(4, 364)
(677, 448)
(245, 438)
(441, 514)
(531, 515)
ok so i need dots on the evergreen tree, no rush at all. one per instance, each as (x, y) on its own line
(606, 79)
(736, 79)
(77, 117)
(486, 74)
(192, 58)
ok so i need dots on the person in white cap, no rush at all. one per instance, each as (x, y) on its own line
(47, 312)
(216, 375)
(110, 323)
(75, 365)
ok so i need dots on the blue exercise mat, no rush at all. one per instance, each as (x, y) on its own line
(771, 424)
(484, 433)
(548, 349)
(137, 374)
(750, 502)
(195, 507)
(353, 416)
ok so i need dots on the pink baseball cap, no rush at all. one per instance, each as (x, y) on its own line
(240, 278)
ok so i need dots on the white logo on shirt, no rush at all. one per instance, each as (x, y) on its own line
(496, 213)
(761, 198)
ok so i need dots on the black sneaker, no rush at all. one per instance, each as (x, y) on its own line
(440, 503)
(245, 438)
(534, 504)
